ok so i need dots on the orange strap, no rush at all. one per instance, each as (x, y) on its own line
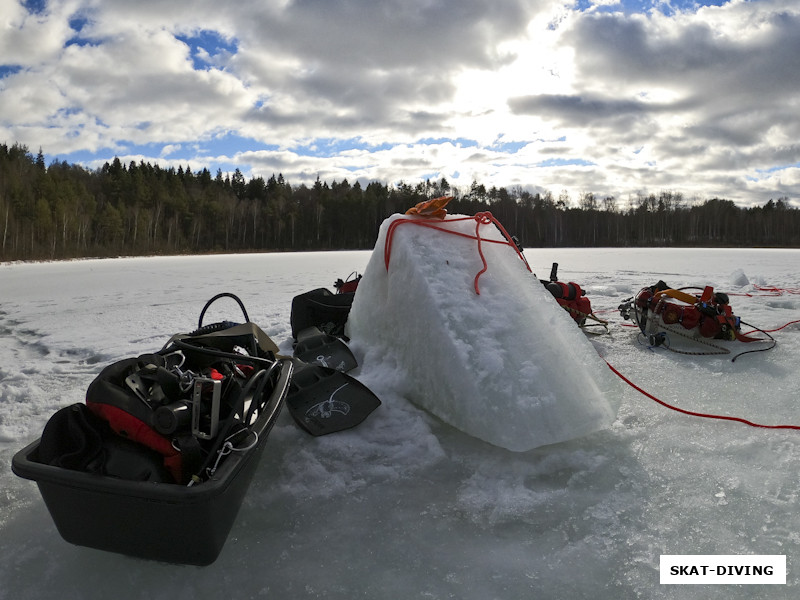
(434, 208)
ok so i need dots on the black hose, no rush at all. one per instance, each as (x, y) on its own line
(217, 297)
(760, 349)
(244, 358)
(258, 394)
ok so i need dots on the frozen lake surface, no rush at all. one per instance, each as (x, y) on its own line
(405, 506)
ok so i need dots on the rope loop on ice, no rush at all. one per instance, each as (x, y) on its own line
(481, 218)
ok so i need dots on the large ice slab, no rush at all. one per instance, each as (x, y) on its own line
(508, 365)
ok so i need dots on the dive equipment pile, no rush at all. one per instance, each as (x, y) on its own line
(572, 298)
(156, 462)
(665, 316)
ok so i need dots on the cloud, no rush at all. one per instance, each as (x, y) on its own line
(707, 91)
(611, 99)
(29, 38)
(589, 110)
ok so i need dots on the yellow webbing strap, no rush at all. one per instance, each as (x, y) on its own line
(678, 295)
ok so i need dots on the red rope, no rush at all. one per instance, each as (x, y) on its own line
(481, 218)
(779, 328)
(749, 295)
(776, 291)
(692, 413)
(769, 290)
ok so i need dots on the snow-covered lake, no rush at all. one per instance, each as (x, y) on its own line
(405, 506)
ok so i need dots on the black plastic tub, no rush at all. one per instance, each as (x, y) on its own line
(157, 521)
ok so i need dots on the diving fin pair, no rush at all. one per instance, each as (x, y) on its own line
(322, 398)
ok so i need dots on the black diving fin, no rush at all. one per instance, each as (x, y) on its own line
(316, 347)
(323, 400)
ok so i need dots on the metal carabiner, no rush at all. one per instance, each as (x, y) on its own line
(179, 365)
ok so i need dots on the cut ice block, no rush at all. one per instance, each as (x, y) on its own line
(508, 365)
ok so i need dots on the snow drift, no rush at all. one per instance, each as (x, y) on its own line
(506, 365)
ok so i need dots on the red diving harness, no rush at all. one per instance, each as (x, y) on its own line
(662, 312)
(573, 299)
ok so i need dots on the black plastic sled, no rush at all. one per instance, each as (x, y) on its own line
(157, 521)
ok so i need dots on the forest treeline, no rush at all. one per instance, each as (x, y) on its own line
(63, 210)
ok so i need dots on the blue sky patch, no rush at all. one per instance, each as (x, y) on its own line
(565, 162)
(508, 147)
(81, 157)
(35, 7)
(329, 147)
(432, 177)
(68, 111)
(645, 6)
(77, 24)
(231, 144)
(77, 40)
(6, 70)
(176, 151)
(460, 142)
(778, 168)
(207, 43)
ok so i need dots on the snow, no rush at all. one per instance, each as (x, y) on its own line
(506, 365)
(406, 506)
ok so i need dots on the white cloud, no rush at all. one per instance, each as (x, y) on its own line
(170, 149)
(703, 101)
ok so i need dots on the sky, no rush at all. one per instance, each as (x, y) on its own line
(612, 98)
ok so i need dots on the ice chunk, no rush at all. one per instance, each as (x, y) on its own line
(508, 365)
(739, 278)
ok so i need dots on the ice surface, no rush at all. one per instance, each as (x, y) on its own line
(405, 506)
(508, 365)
